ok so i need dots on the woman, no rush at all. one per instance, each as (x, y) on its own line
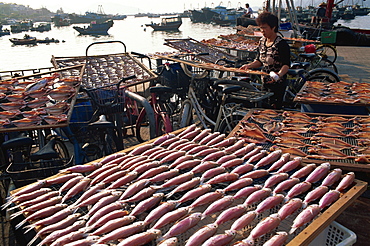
(274, 57)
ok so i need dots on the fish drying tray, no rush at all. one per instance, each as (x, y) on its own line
(349, 164)
(72, 77)
(189, 45)
(303, 235)
(103, 70)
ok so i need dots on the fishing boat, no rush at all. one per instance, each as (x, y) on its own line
(26, 40)
(41, 27)
(95, 28)
(168, 23)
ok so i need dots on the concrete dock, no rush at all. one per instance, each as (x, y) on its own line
(353, 63)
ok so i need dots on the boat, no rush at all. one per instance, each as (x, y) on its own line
(4, 31)
(22, 41)
(21, 26)
(41, 27)
(168, 23)
(95, 28)
(60, 20)
(47, 40)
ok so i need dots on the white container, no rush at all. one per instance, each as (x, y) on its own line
(335, 234)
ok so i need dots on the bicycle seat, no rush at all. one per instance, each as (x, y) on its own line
(228, 88)
(296, 65)
(296, 72)
(160, 89)
(102, 123)
(309, 56)
(17, 143)
(45, 153)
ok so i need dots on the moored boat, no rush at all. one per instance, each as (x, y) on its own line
(168, 23)
(41, 27)
(95, 28)
(26, 40)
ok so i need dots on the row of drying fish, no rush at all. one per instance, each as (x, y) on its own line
(212, 181)
(340, 92)
(29, 102)
(323, 136)
(107, 70)
(245, 44)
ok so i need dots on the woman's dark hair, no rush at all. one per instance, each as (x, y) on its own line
(269, 19)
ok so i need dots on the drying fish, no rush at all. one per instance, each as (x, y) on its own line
(243, 221)
(195, 193)
(238, 184)
(70, 237)
(183, 225)
(269, 203)
(256, 157)
(230, 214)
(37, 207)
(289, 134)
(246, 191)
(185, 186)
(304, 217)
(153, 172)
(206, 152)
(218, 206)
(79, 187)
(289, 208)
(230, 144)
(159, 211)
(253, 152)
(330, 132)
(293, 114)
(275, 179)
(290, 165)
(256, 174)
(329, 198)
(216, 140)
(265, 226)
(252, 136)
(289, 142)
(198, 238)
(191, 134)
(346, 181)
(171, 217)
(207, 198)
(147, 204)
(293, 152)
(319, 173)
(332, 177)
(41, 196)
(9, 114)
(169, 142)
(245, 150)
(103, 202)
(208, 138)
(145, 166)
(198, 148)
(333, 119)
(141, 149)
(141, 238)
(104, 211)
(269, 159)
(139, 196)
(25, 197)
(223, 177)
(173, 241)
(111, 225)
(202, 134)
(212, 173)
(214, 156)
(279, 163)
(296, 121)
(298, 189)
(181, 160)
(165, 175)
(273, 126)
(26, 122)
(268, 112)
(315, 194)
(175, 144)
(176, 180)
(285, 185)
(262, 119)
(204, 166)
(242, 169)
(257, 196)
(304, 171)
(277, 240)
(173, 156)
(221, 239)
(123, 232)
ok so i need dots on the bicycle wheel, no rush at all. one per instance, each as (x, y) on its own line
(321, 74)
(142, 127)
(111, 143)
(186, 114)
(229, 123)
(325, 63)
(327, 51)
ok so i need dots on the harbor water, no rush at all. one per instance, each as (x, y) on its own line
(131, 31)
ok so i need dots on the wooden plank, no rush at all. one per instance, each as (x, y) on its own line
(329, 215)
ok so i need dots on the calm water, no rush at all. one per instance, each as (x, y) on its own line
(130, 31)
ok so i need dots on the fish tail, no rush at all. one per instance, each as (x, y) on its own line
(14, 215)
(29, 228)
(20, 224)
(33, 240)
(304, 205)
(292, 230)
(169, 195)
(7, 204)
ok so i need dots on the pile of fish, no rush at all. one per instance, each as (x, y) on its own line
(341, 92)
(30, 102)
(310, 136)
(108, 69)
(193, 188)
(228, 41)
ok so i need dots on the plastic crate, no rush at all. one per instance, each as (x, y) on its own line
(328, 37)
(335, 234)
